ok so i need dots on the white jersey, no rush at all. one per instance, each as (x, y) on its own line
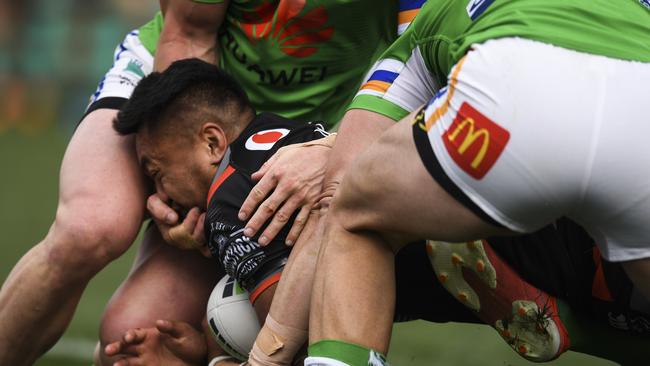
(131, 62)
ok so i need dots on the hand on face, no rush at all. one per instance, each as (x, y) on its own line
(185, 234)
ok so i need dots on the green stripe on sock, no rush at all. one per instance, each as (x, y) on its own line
(351, 354)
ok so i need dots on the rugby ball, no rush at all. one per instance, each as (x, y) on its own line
(232, 319)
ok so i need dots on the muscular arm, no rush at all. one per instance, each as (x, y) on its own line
(290, 307)
(189, 30)
(359, 128)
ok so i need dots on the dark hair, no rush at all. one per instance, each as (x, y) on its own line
(188, 91)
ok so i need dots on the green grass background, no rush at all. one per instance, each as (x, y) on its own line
(28, 193)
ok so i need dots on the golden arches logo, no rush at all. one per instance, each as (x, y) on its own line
(474, 141)
(469, 139)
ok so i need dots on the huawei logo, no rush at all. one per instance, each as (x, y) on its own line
(294, 33)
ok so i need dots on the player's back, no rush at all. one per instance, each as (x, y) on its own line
(242, 257)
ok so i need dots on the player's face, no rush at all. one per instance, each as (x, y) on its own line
(179, 166)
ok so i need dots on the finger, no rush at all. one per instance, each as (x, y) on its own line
(181, 235)
(199, 232)
(135, 361)
(134, 336)
(121, 348)
(279, 220)
(191, 219)
(181, 238)
(266, 166)
(113, 349)
(298, 225)
(169, 328)
(205, 251)
(257, 195)
(121, 362)
(129, 361)
(267, 210)
(160, 210)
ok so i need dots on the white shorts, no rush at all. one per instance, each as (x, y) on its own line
(531, 132)
(131, 62)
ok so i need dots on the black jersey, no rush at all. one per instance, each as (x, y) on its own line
(242, 257)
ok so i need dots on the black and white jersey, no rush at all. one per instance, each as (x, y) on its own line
(242, 257)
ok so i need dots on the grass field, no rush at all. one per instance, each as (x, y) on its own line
(28, 186)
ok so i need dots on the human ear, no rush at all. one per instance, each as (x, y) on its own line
(214, 137)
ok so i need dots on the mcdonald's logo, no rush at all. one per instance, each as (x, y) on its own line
(474, 141)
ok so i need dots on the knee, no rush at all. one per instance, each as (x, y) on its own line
(85, 242)
(115, 322)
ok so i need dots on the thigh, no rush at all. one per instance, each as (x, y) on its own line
(101, 197)
(389, 190)
(100, 174)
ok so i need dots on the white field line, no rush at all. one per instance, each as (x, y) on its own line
(78, 349)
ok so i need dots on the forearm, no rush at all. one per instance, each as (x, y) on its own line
(291, 301)
(285, 332)
(359, 129)
(175, 47)
(189, 30)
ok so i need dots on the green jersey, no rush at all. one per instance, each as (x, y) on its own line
(444, 31)
(302, 59)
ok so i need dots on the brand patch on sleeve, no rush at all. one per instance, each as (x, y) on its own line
(264, 140)
(474, 141)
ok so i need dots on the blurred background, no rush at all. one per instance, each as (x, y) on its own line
(52, 55)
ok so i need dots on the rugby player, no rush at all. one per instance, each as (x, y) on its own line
(312, 60)
(190, 158)
(194, 125)
(537, 105)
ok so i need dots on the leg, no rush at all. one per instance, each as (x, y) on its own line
(284, 333)
(39, 296)
(165, 283)
(353, 294)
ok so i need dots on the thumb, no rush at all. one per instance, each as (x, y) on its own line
(169, 328)
(174, 329)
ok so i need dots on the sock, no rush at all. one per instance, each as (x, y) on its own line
(338, 353)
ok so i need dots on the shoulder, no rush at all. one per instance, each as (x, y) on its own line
(265, 135)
